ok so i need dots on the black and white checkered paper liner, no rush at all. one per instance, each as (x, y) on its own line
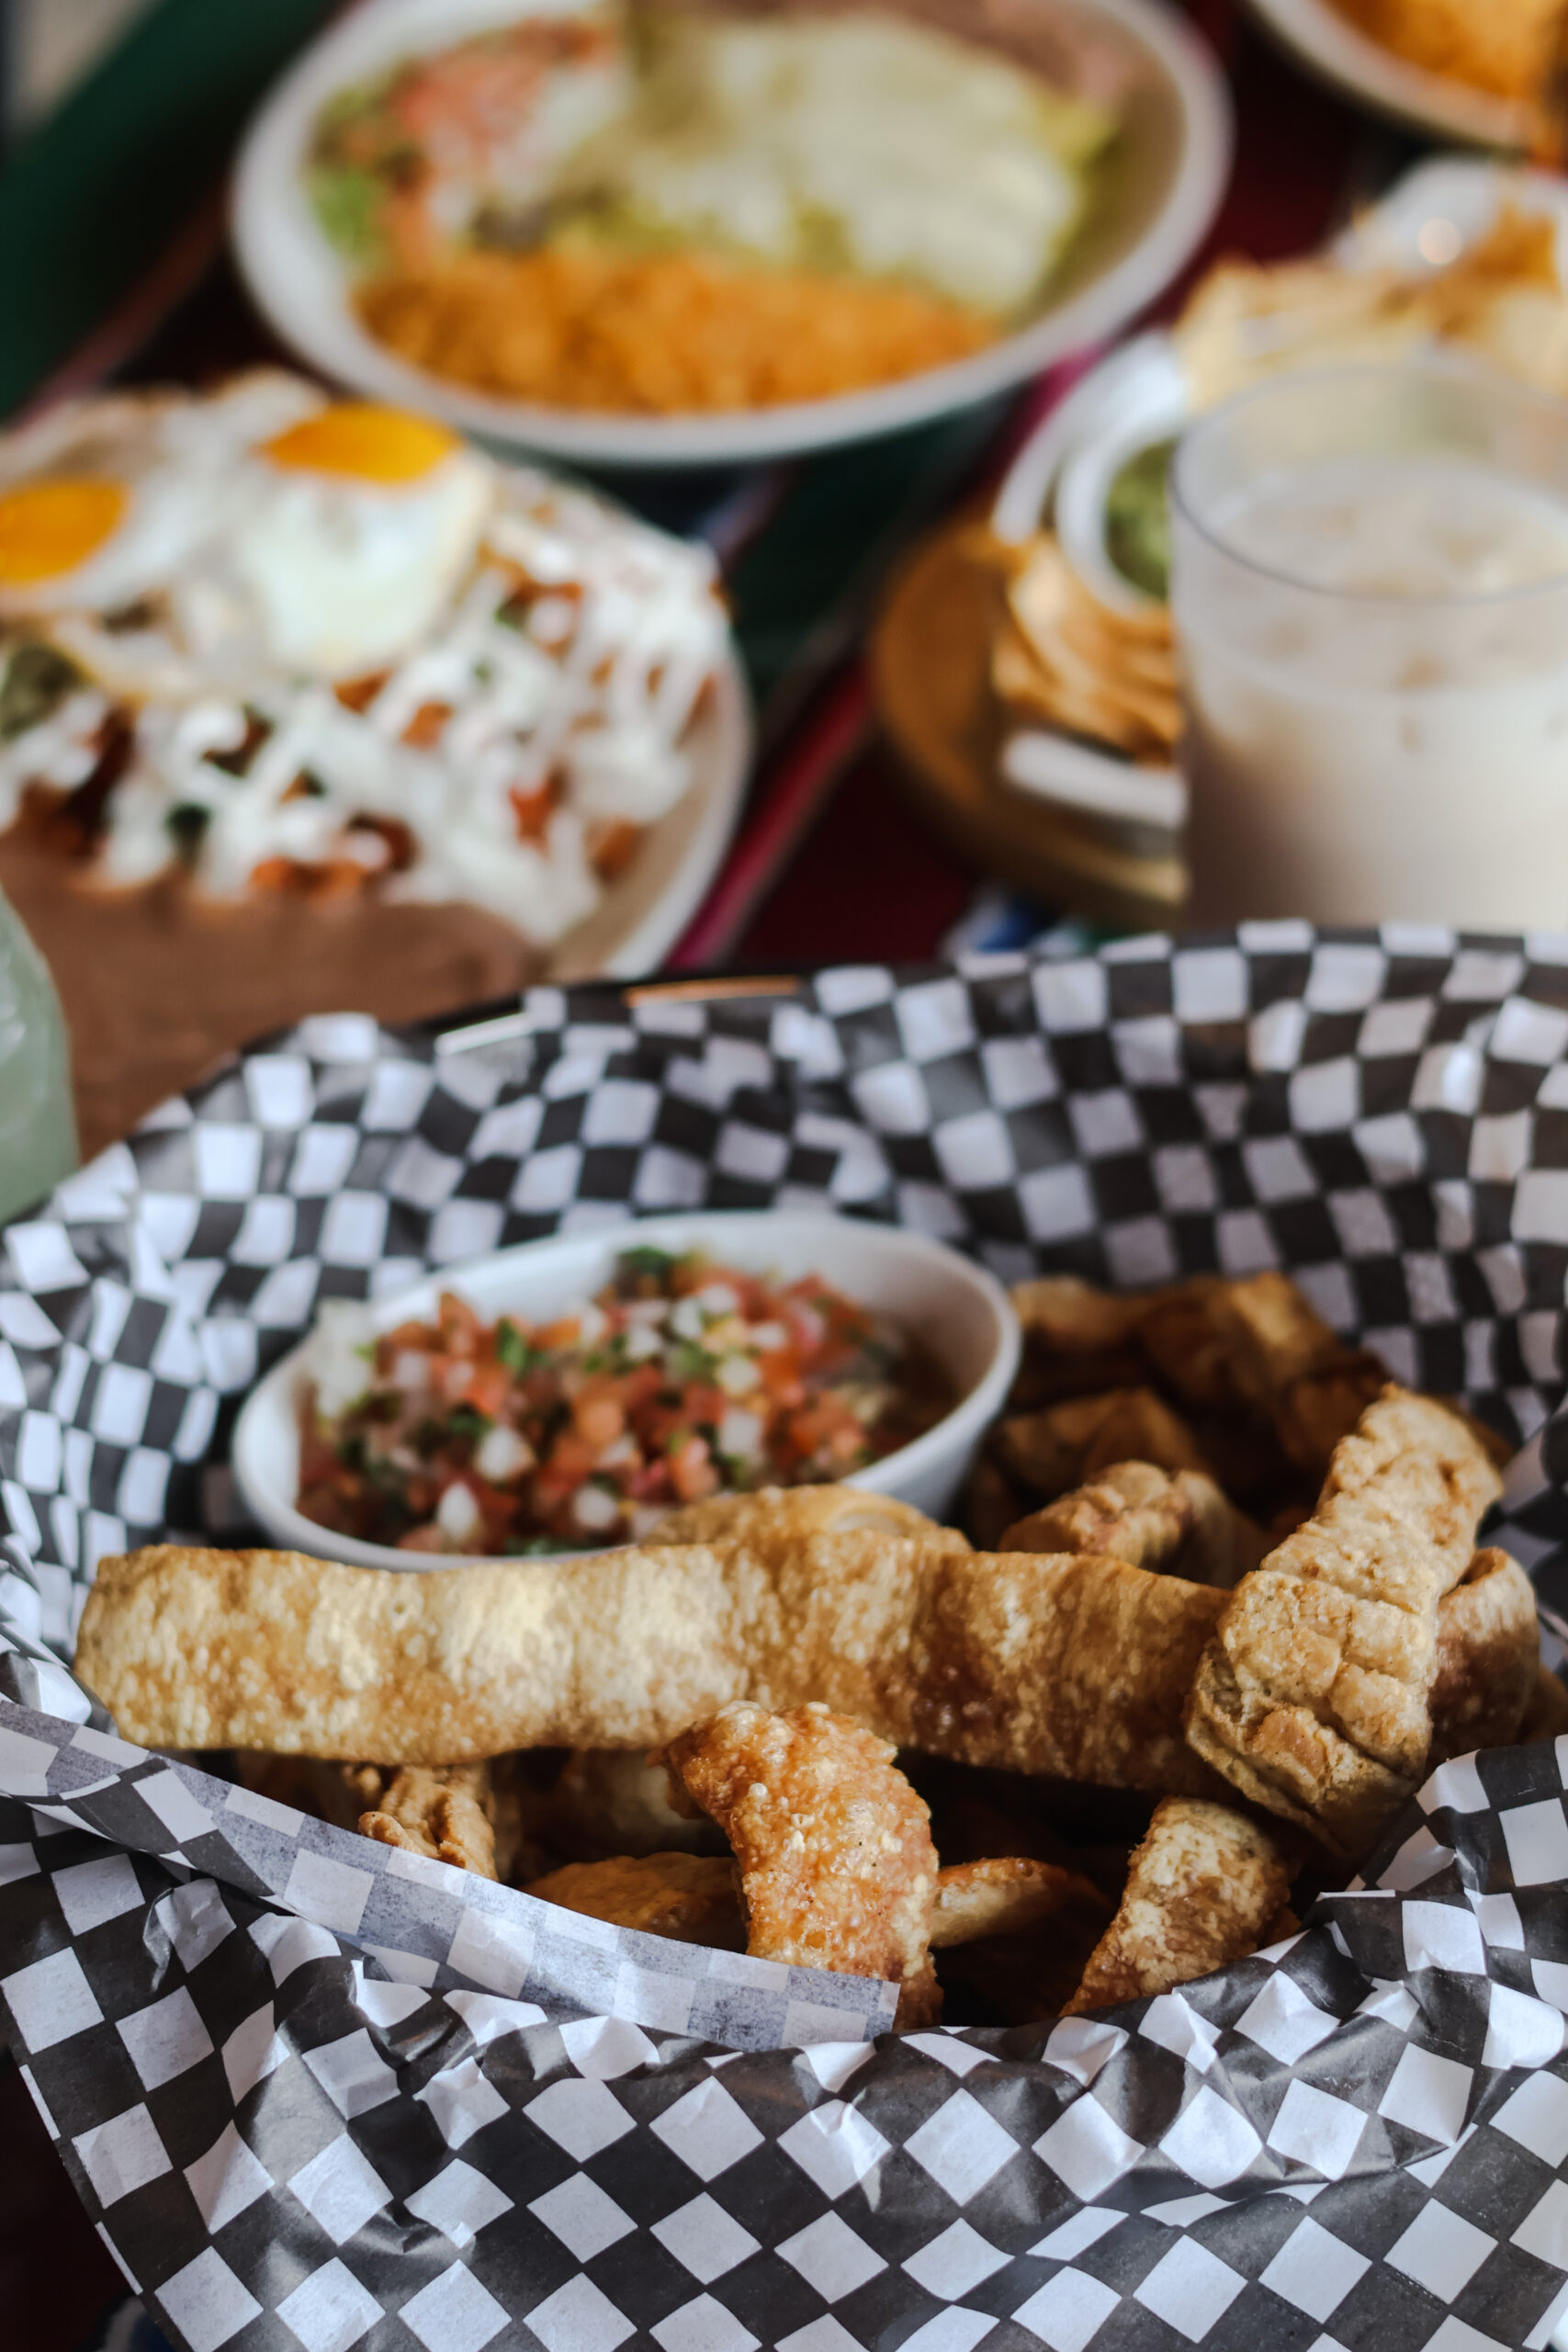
(313, 2096)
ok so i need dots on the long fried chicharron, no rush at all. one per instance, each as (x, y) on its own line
(1076, 1667)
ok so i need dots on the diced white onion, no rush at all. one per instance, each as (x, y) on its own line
(334, 1358)
(411, 1371)
(642, 1343)
(595, 1509)
(592, 1325)
(458, 1514)
(767, 1336)
(501, 1455)
(737, 1375)
(740, 1435)
(686, 1321)
(717, 1299)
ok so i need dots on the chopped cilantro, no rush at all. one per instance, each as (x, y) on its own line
(511, 1348)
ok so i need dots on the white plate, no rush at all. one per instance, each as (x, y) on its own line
(1178, 156)
(1333, 50)
(644, 911)
(956, 1309)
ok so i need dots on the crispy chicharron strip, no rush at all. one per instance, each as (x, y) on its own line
(1313, 1698)
(1073, 1668)
(1201, 1891)
(834, 1847)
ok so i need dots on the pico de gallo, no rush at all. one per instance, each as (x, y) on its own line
(682, 1379)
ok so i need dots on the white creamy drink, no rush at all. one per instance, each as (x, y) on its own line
(1375, 667)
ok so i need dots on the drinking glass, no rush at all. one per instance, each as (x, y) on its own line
(38, 1127)
(1370, 599)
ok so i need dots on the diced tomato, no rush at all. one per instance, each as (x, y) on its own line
(598, 1414)
(691, 1472)
(489, 1384)
(779, 1369)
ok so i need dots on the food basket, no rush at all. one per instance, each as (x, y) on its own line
(319, 2092)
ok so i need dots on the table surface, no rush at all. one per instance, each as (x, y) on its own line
(807, 547)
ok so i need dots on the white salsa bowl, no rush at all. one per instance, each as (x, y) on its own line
(951, 1306)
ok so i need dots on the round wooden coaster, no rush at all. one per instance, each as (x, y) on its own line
(931, 673)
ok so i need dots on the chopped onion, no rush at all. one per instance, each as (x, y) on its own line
(595, 1509)
(717, 1299)
(458, 1514)
(501, 1455)
(740, 1435)
(737, 1375)
(686, 1321)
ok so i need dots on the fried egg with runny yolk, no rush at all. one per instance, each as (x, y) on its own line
(359, 522)
(273, 529)
(76, 540)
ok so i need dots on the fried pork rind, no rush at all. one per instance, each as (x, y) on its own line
(1314, 1697)
(1076, 1668)
(1546, 1717)
(1065, 1445)
(1286, 1361)
(693, 1898)
(1202, 1889)
(1008, 1895)
(1177, 1526)
(837, 1866)
(778, 1516)
(1488, 1654)
(438, 1815)
(1260, 1382)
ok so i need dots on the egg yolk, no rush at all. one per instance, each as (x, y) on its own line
(47, 529)
(363, 439)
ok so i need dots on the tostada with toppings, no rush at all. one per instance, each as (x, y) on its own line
(305, 702)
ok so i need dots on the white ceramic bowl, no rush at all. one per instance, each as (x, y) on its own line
(1158, 205)
(1338, 52)
(953, 1306)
